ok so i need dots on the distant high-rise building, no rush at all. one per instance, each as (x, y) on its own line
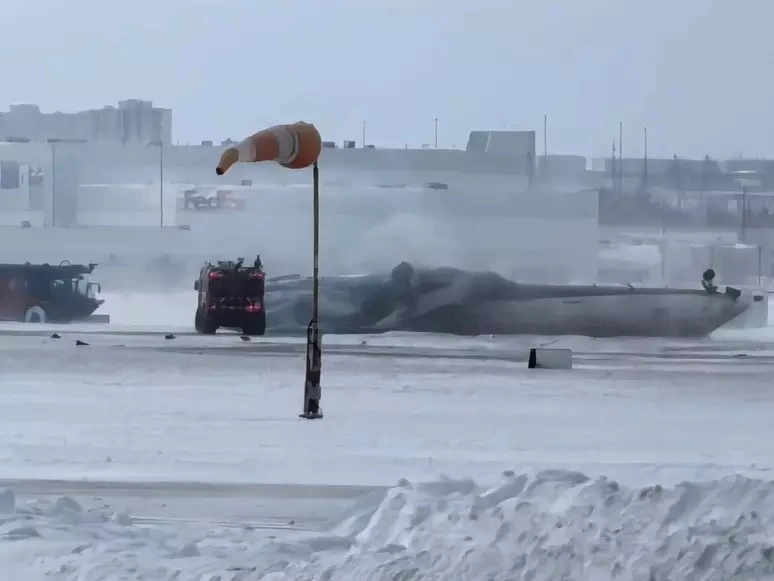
(144, 122)
(133, 121)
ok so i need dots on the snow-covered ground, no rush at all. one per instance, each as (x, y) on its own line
(141, 457)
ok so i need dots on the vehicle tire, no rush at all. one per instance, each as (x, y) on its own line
(35, 314)
(256, 327)
(204, 324)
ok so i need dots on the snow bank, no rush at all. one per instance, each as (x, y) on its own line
(545, 526)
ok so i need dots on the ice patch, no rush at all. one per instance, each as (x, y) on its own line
(549, 525)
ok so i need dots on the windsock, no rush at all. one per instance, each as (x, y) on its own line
(294, 146)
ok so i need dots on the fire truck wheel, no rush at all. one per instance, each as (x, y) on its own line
(203, 324)
(35, 314)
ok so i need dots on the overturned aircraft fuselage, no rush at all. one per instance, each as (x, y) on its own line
(452, 301)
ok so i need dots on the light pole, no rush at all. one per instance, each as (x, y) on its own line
(160, 145)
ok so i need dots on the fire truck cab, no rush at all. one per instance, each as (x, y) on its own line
(231, 296)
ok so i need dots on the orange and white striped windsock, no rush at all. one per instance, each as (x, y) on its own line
(295, 146)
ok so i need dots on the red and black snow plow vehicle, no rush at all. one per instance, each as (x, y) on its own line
(231, 296)
(46, 293)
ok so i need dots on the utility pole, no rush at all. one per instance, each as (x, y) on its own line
(435, 121)
(545, 135)
(364, 134)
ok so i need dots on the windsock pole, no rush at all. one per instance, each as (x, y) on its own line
(312, 388)
(294, 146)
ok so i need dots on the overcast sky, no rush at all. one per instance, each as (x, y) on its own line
(696, 72)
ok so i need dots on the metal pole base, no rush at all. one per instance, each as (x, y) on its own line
(312, 389)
